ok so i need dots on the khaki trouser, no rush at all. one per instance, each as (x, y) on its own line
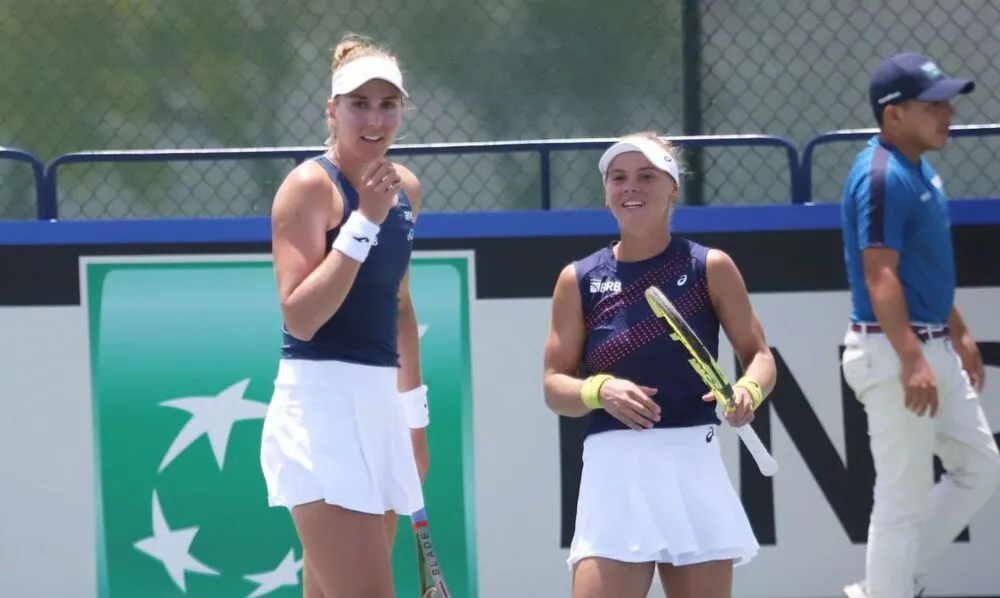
(913, 521)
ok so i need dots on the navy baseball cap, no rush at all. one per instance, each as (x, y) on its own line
(912, 76)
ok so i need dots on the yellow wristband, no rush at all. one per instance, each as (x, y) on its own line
(590, 394)
(751, 386)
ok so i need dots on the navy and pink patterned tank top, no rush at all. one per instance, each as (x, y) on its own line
(625, 339)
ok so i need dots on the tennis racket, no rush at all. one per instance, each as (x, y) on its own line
(432, 583)
(713, 376)
(426, 588)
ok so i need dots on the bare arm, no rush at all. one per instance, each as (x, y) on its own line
(409, 371)
(408, 339)
(888, 302)
(408, 335)
(956, 325)
(739, 321)
(410, 376)
(967, 349)
(564, 348)
(311, 287)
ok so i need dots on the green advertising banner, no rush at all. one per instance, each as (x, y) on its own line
(183, 354)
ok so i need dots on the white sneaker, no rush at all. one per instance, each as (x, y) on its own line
(856, 590)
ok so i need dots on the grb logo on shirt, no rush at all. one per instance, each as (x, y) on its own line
(598, 285)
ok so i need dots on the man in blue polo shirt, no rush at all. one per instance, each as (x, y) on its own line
(909, 357)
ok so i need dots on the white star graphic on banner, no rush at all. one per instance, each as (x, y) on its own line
(285, 574)
(172, 548)
(214, 417)
(421, 329)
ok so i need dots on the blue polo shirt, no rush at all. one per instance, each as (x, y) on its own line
(890, 201)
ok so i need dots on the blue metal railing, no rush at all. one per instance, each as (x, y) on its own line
(49, 196)
(800, 169)
(804, 191)
(37, 168)
(49, 200)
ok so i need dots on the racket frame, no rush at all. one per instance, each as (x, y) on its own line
(710, 372)
(431, 578)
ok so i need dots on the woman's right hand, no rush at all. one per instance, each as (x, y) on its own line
(379, 185)
(630, 403)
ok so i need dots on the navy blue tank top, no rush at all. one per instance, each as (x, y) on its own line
(625, 339)
(364, 329)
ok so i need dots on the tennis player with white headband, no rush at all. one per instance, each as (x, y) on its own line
(657, 154)
(654, 492)
(344, 446)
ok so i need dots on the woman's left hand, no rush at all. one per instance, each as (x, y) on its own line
(742, 413)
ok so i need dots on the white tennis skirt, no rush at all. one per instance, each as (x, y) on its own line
(335, 432)
(659, 495)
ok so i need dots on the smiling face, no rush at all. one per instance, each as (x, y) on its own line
(366, 120)
(639, 195)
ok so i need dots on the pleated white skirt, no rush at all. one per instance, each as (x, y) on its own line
(660, 495)
(335, 431)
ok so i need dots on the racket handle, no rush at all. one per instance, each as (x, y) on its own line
(765, 462)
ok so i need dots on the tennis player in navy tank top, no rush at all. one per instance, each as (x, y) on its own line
(624, 339)
(344, 446)
(654, 492)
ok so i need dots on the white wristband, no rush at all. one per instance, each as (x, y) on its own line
(356, 237)
(415, 407)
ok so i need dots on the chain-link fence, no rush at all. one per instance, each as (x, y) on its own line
(139, 74)
(21, 176)
(798, 68)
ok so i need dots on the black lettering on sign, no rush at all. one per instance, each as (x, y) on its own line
(846, 486)
(571, 431)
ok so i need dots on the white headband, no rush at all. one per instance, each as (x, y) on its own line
(359, 71)
(660, 157)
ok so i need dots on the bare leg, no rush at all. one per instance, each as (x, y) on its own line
(713, 579)
(391, 523)
(605, 578)
(310, 585)
(347, 550)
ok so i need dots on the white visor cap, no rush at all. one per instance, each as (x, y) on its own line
(359, 71)
(660, 157)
